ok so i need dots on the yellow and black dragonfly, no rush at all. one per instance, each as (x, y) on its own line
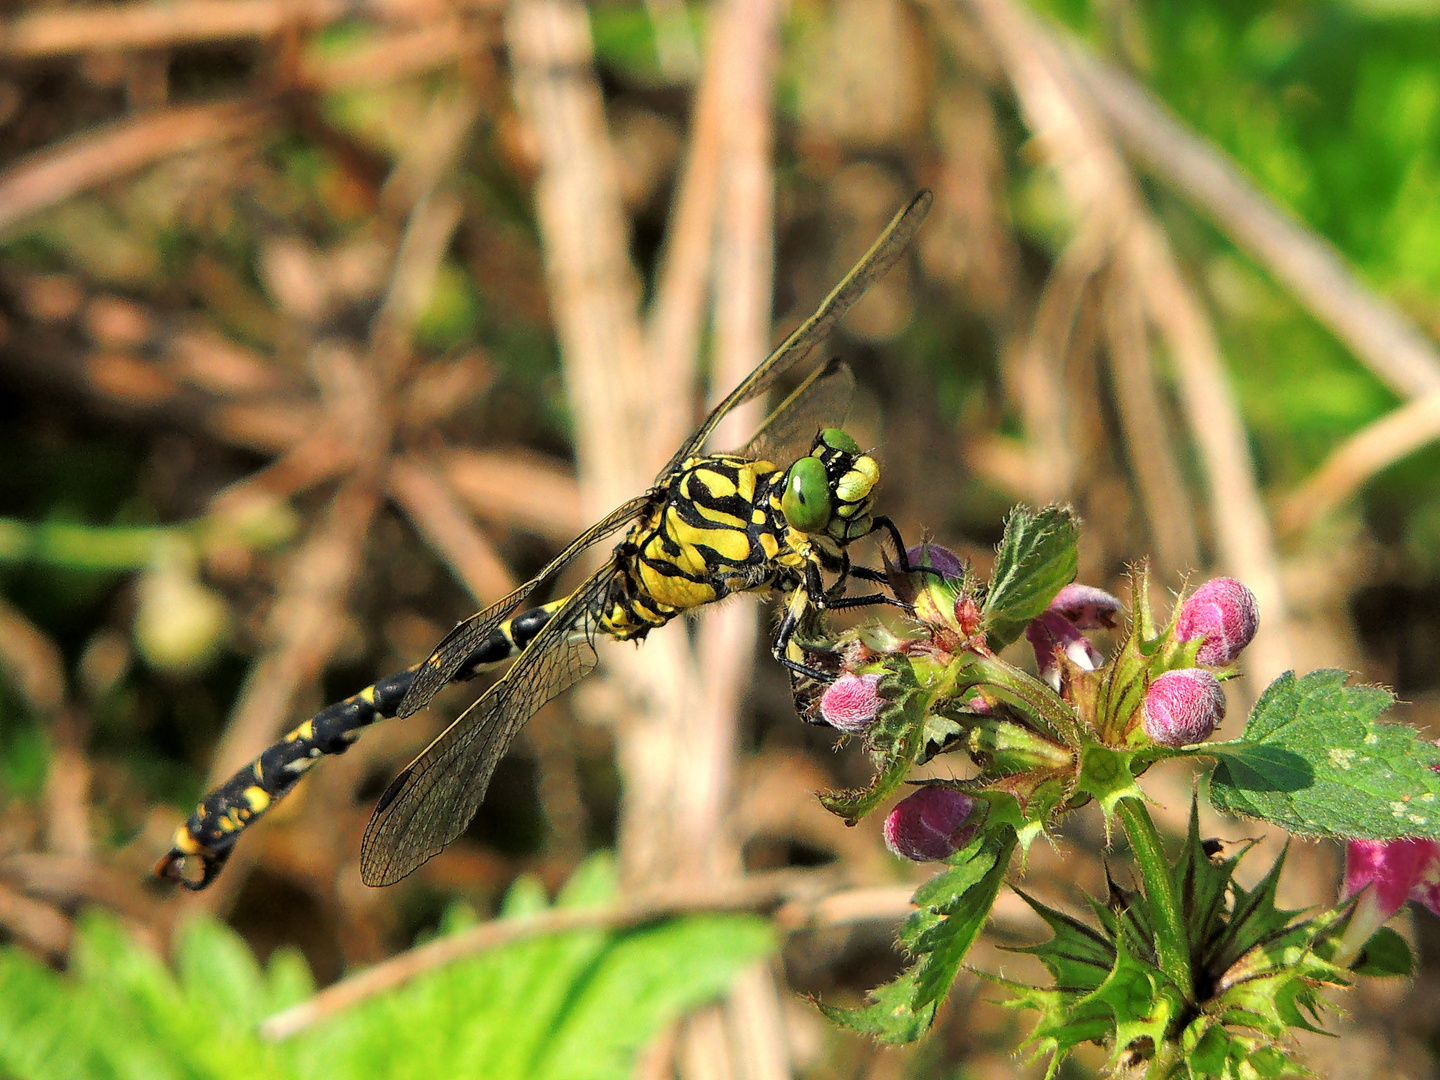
(710, 525)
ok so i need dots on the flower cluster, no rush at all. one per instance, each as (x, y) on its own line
(1200, 972)
(1164, 693)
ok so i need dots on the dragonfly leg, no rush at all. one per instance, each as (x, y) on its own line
(844, 603)
(885, 525)
(831, 600)
(779, 648)
(864, 573)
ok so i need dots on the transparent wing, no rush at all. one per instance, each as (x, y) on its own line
(450, 655)
(882, 255)
(820, 401)
(436, 795)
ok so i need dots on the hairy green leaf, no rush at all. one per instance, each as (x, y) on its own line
(953, 907)
(1037, 557)
(1386, 955)
(1315, 761)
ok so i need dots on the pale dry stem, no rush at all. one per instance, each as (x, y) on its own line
(1359, 458)
(118, 27)
(59, 172)
(1142, 414)
(1317, 275)
(802, 893)
(1097, 182)
(421, 491)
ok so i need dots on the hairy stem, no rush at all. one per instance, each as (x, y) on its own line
(1171, 941)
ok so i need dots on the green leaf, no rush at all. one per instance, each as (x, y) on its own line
(1038, 556)
(953, 907)
(891, 1015)
(575, 1006)
(1256, 972)
(1078, 957)
(1385, 955)
(1314, 760)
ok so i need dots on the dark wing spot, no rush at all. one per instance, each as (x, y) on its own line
(390, 793)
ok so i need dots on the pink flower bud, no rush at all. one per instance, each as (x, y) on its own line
(1225, 614)
(852, 702)
(1085, 606)
(933, 823)
(1183, 707)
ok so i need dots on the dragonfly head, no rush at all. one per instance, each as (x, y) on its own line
(830, 492)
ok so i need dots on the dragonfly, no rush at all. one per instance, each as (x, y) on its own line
(710, 525)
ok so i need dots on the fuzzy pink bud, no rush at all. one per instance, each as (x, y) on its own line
(1183, 707)
(1225, 614)
(933, 823)
(852, 702)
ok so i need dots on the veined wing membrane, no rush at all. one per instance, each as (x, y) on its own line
(820, 401)
(883, 254)
(449, 656)
(451, 653)
(436, 795)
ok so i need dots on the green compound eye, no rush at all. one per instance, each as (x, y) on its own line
(836, 439)
(806, 502)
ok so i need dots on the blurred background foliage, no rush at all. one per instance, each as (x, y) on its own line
(182, 317)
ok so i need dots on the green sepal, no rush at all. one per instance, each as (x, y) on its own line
(1003, 747)
(1026, 802)
(1385, 956)
(1258, 971)
(1315, 760)
(1144, 653)
(1107, 775)
(1038, 556)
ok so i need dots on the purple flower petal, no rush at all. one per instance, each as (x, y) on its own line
(1087, 607)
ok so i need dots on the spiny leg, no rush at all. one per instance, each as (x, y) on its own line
(880, 523)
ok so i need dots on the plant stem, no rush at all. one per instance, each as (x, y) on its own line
(1172, 944)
